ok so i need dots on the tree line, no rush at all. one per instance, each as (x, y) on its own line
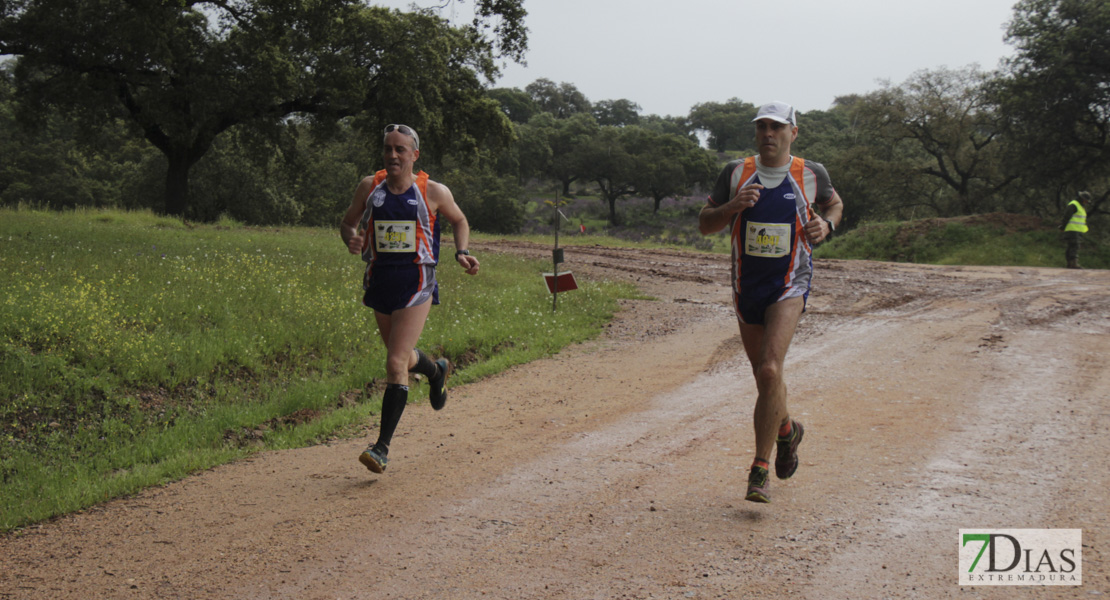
(269, 111)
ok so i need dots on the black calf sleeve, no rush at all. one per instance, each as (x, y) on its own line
(393, 404)
(424, 365)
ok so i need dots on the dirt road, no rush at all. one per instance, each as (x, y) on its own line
(934, 399)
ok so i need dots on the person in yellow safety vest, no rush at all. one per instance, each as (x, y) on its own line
(1074, 226)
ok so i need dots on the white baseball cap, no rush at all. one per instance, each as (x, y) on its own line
(777, 111)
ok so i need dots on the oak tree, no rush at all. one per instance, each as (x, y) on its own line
(185, 71)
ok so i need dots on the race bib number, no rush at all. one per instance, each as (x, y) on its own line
(395, 236)
(769, 240)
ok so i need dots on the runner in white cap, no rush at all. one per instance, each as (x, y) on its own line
(767, 201)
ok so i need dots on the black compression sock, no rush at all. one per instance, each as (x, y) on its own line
(424, 365)
(393, 404)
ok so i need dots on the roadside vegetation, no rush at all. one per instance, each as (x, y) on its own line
(287, 133)
(1001, 239)
(997, 239)
(136, 349)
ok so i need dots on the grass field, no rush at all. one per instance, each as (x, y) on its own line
(992, 239)
(135, 349)
(989, 239)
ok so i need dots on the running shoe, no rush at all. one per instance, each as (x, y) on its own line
(757, 485)
(437, 392)
(786, 457)
(374, 459)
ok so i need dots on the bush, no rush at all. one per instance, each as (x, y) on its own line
(492, 204)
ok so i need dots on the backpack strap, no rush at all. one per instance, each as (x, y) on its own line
(421, 181)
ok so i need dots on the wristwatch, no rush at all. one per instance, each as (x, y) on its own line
(832, 228)
(459, 253)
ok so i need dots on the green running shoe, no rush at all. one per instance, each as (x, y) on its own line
(374, 459)
(786, 457)
(437, 385)
(757, 485)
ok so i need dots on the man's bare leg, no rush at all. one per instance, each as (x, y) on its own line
(766, 346)
(400, 331)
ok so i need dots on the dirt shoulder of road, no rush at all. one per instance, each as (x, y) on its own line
(935, 398)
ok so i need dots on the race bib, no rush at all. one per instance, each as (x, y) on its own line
(769, 240)
(395, 236)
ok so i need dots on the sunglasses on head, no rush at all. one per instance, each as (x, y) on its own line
(405, 130)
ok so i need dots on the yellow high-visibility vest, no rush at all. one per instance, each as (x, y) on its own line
(1078, 221)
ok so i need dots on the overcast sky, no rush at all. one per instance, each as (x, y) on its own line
(668, 55)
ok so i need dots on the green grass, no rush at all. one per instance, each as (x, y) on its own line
(135, 349)
(957, 242)
(993, 239)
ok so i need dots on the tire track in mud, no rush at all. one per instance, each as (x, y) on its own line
(615, 469)
(630, 264)
(1020, 392)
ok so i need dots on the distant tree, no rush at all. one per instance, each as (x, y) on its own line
(295, 175)
(669, 165)
(562, 100)
(1054, 95)
(673, 125)
(515, 103)
(529, 154)
(323, 170)
(609, 163)
(241, 176)
(616, 112)
(944, 114)
(878, 176)
(877, 181)
(59, 163)
(492, 202)
(822, 134)
(185, 72)
(557, 148)
(727, 124)
(633, 160)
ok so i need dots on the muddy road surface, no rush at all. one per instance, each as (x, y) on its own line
(934, 398)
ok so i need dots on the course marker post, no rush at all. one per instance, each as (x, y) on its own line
(558, 281)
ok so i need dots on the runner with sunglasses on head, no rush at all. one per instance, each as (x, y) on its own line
(393, 222)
